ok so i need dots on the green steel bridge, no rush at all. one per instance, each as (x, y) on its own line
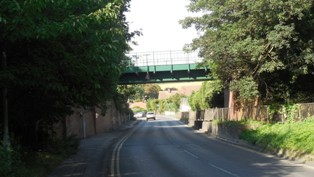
(163, 66)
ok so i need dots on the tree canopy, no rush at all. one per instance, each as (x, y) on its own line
(266, 43)
(171, 103)
(210, 95)
(152, 90)
(60, 54)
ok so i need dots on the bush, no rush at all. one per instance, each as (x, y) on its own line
(18, 162)
(11, 164)
(41, 162)
(210, 95)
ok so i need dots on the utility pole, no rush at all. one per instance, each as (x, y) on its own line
(6, 137)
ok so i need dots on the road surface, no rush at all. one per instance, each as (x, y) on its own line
(167, 148)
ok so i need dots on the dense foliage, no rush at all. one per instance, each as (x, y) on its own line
(11, 164)
(210, 95)
(138, 92)
(20, 163)
(161, 105)
(141, 92)
(151, 91)
(152, 105)
(171, 104)
(56, 55)
(59, 54)
(267, 44)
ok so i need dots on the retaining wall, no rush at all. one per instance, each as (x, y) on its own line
(87, 122)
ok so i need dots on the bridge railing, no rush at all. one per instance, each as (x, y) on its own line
(163, 58)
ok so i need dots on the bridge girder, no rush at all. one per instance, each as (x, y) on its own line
(164, 73)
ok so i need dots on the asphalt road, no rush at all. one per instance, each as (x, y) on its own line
(165, 147)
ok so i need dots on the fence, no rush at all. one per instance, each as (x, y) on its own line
(224, 114)
(299, 112)
(305, 110)
(203, 120)
(163, 58)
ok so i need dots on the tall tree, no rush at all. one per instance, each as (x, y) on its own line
(60, 54)
(266, 42)
(152, 90)
(137, 92)
(6, 137)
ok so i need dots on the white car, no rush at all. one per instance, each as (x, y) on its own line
(150, 115)
(139, 115)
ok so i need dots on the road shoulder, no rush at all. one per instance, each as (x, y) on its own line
(93, 155)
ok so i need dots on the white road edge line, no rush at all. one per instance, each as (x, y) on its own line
(223, 170)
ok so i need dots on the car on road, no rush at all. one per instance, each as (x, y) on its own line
(139, 114)
(150, 115)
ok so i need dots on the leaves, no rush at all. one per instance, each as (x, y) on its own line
(263, 40)
(208, 96)
(66, 40)
(61, 54)
(152, 90)
(246, 87)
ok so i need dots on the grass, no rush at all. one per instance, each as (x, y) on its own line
(291, 136)
(20, 162)
(41, 163)
(250, 124)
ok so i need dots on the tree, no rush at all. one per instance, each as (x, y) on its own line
(6, 137)
(208, 96)
(138, 92)
(247, 89)
(269, 41)
(162, 106)
(60, 54)
(152, 104)
(152, 90)
(174, 102)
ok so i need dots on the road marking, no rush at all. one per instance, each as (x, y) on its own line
(115, 165)
(129, 174)
(191, 154)
(223, 170)
(115, 157)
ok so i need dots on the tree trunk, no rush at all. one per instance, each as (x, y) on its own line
(94, 119)
(6, 137)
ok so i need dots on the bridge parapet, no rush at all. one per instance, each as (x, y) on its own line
(163, 66)
(163, 58)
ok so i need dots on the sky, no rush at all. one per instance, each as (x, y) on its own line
(158, 20)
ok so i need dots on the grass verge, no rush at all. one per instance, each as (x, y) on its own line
(290, 136)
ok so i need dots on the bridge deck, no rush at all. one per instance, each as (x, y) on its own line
(166, 66)
(163, 58)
